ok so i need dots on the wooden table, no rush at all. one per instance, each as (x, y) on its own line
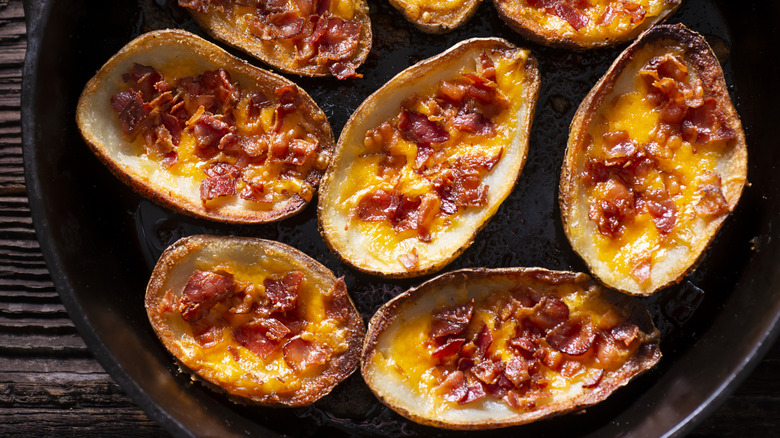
(51, 385)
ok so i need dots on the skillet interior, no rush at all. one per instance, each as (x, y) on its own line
(101, 240)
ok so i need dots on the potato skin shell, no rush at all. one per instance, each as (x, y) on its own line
(644, 358)
(339, 368)
(441, 21)
(373, 102)
(536, 33)
(708, 68)
(208, 55)
(224, 32)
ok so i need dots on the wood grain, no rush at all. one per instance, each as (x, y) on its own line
(50, 385)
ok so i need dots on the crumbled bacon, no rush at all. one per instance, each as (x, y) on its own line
(450, 347)
(258, 339)
(419, 129)
(550, 312)
(300, 354)
(283, 293)
(451, 320)
(454, 388)
(573, 338)
(625, 333)
(130, 107)
(712, 201)
(202, 292)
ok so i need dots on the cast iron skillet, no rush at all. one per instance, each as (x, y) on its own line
(101, 240)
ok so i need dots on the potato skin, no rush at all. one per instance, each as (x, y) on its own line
(101, 129)
(175, 260)
(442, 21)
(532, 30)
(645, 357)
(699, 56)
(401, 85)
(273, 55)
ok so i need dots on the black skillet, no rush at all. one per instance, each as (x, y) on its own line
(100, 239)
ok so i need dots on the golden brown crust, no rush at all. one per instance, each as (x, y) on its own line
(102, 130)
(452, 284)
(178, 260)
(437, 21)
(384, 101)
(275, 55)
(529, 28)
(698, 56)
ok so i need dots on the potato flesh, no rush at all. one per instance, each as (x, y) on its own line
(628, 108)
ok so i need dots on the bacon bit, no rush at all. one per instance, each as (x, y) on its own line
(288, 97)
(208, 130)
(452, 91)
(234, 353)
(523, 344)
(550, 312)
(614, 209)
(451, 320)
(450, 347)
(341, 39)
(475, 392)
(488, 371)
(575, 18)
(255, 192)
(283, 293)
(202, 292)
(418, 128)
(712, 201)
(254, 338)
(424, 152)
(500, 388)
(216, 187)
(206, 334)
(517, 370)
(571, 368)
(130, 108)
(376, 206)
(606, 17)
(201, 6)
(593, 378)
(608, 352)
(484, 340)
(637, 12)
(256, 101)
(661, 208)
(552, 359)
(641, 269)
(454, 388)
(488, 67)
(625, 333)
(474, 123)
(572, 338)
(706, 123)
(618, 145)
(300, 354)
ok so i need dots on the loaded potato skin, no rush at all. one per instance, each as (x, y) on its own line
(437, 16)
(304, 37)
(197, 130)
(255, 319)
(426, 160)
(490, 348)
(655, 163)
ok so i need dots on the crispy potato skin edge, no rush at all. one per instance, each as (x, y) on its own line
(441, 21)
